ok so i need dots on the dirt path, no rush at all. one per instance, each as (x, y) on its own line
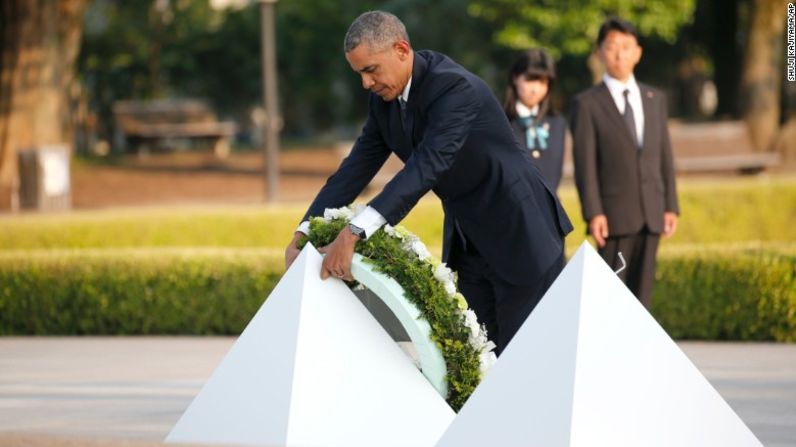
(163, 179)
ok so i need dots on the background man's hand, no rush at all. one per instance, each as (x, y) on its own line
(598, 228)
(669, 224)
(339, 253)
(292, 252)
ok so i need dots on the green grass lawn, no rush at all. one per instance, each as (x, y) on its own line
(738, 211)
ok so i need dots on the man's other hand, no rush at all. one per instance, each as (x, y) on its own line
(598, 228)
(339, 253)
(292, 252)
(669, 224)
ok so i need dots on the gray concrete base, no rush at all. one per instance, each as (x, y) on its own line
(131, 390)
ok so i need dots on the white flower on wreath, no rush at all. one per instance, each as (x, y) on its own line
(420, 250)
(330, 214)
(479, 340)
(445, 276)
(477, 337)
(487, 359)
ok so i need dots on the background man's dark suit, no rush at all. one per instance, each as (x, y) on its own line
(459, 144)
(632, 187)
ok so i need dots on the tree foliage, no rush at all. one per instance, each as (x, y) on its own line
(147, 48)
(570, 28)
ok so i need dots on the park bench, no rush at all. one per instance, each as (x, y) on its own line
(143, 126)
(713, 147)
(723, 146)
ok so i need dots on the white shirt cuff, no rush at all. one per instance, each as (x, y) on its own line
(369, 220)
(304, 227)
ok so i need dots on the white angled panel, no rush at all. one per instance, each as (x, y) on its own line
(526, 399)
(591, 367)
(313, 368)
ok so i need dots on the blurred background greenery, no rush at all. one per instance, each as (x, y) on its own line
(152, 49)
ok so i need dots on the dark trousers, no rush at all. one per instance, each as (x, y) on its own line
(501, 307)
(639, 251)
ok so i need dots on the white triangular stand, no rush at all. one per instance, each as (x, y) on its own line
(314, 368)
(591, 367)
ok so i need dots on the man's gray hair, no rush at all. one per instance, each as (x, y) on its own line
(377, 29)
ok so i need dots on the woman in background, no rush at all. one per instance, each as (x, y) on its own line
(529, 109)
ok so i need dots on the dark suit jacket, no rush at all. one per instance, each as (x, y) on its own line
(631, 187)
(460, 145)
(551, 160)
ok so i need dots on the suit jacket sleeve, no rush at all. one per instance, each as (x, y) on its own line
(667, 166)
(584, 151)
(355, 172)
(453, 105)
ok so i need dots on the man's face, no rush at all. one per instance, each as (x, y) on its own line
(620, 53)
(383, 72)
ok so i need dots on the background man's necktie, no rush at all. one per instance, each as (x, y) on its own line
(630, 121)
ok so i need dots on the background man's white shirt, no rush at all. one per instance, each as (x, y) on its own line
(617, 88)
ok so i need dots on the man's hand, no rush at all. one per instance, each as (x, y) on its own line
(669, 224)
(292, 252)
(598, 228)
(339, 253)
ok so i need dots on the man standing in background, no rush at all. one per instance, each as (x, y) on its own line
(623, 161)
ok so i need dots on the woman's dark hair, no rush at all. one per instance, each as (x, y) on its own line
(535, 63)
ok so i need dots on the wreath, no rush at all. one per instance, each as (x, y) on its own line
(428, 284)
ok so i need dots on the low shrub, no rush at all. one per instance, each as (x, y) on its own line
(133, 291)
(727, 294)
(700, 293)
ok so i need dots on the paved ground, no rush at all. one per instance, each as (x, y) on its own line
(84, 391)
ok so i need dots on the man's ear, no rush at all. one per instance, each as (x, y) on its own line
(402, 48)
(598, 52)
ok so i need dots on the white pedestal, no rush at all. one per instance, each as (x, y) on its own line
(591, 367)
(313, 368)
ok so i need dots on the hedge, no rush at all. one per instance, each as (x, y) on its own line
(728, 294)
(710, 294)
(134, 291)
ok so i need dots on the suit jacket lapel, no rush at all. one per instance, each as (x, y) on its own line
(419, 69)
(607, 102)
(646, 101)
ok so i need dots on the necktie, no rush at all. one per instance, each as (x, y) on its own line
(402, 105)
(630, 121)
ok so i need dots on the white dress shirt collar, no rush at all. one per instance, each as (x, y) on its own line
(405, 93)
(615, 85)
(523, 110)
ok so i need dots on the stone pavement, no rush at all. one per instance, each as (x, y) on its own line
(130, 391)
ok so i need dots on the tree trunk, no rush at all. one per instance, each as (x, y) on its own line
(39, 45)
(726, 54)
(760, 83)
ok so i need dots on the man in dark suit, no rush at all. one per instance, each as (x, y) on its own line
(504, 228)
(623, 161)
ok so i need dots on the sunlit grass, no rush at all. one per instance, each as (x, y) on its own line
(757, 209)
